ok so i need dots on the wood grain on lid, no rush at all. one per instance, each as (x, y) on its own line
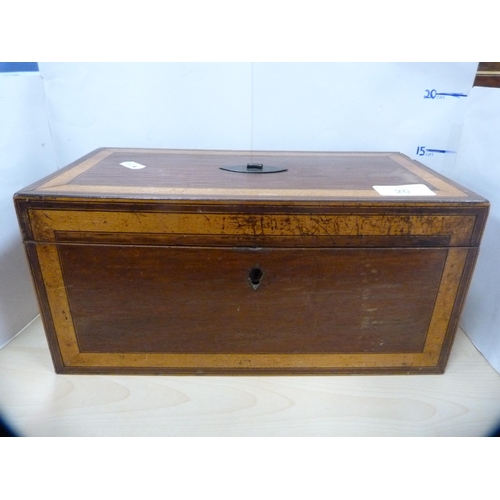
(196, 174)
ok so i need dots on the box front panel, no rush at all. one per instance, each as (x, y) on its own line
(229, 301)
(136, 299)
(146, 334)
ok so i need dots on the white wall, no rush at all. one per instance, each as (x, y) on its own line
(26, 154)
(175, 105)
(478, 168)
(284, 106)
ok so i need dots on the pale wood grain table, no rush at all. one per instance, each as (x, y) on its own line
(465, 401)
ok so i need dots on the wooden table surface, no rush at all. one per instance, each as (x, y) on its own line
(465, 401)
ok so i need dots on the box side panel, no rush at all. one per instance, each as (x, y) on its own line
(45, 305)
(465, 279)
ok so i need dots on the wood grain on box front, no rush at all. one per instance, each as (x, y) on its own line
(47, 223)
(136, 306)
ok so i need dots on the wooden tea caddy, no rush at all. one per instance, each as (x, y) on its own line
(245, 262)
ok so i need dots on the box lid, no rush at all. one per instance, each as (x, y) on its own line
(160, 174)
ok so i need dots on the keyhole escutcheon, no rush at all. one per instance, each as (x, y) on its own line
(255, 277)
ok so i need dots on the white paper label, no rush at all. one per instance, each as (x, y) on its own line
(406, 190)
(132, 164)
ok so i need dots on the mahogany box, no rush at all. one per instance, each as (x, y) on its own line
(242, 262)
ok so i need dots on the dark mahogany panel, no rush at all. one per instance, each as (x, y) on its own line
(202, 300)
